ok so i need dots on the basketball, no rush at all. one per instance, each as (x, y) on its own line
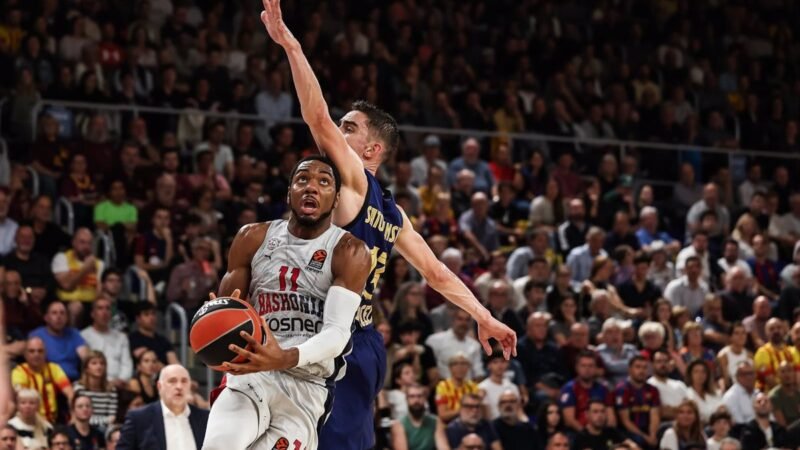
(217, 324)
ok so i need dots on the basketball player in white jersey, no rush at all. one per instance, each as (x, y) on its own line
(304, 277)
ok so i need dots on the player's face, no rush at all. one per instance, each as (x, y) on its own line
(356, 132)
(312, 194)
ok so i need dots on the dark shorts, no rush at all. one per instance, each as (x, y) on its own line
(350, 425)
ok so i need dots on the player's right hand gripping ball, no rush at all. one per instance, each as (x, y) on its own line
(218, 324)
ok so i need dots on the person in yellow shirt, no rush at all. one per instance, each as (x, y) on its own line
(47, 378)
(450, 391)
(770, 355)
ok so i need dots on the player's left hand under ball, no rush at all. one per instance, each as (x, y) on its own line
(269, 356)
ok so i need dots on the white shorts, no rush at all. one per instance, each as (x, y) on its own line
(290, 411)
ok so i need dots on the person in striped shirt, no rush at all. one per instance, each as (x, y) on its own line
(95, 385)
(450, 391)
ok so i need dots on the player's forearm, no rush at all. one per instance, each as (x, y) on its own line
(445, 282)
(312, 103)
(340, 309)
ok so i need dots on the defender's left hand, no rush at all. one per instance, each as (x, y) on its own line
(269, 356)
(492, 328)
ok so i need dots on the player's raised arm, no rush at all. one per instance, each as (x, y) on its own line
(414, 249)
(313, 107)
(243, 249)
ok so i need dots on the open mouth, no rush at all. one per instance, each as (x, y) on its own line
(308, 205)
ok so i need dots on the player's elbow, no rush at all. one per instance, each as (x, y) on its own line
(437, 276)
(316, 115)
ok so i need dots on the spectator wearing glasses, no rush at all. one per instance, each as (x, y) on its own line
(470, 420)
(738, 399)
(512, 426)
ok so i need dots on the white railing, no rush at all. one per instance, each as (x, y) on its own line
(183, 335)
(109, 250)
(64, 203)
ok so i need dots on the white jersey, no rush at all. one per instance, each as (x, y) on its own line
(290, 278)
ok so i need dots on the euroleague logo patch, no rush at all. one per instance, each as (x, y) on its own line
(318, 260)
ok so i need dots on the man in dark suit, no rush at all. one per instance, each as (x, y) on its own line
(169, 424)
(754, 434)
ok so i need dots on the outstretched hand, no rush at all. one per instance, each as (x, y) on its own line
(273, 22)
(492, 328)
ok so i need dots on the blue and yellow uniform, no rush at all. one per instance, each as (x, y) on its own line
(350, 425)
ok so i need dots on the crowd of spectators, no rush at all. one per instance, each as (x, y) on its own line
(648, 315)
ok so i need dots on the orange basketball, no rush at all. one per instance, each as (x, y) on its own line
(217, 324)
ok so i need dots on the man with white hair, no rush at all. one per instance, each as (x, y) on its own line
(615, 352)
(648, 232)
(730, 443)
(514, 433)
(581, 259)
(171, 423)
(739, 397)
